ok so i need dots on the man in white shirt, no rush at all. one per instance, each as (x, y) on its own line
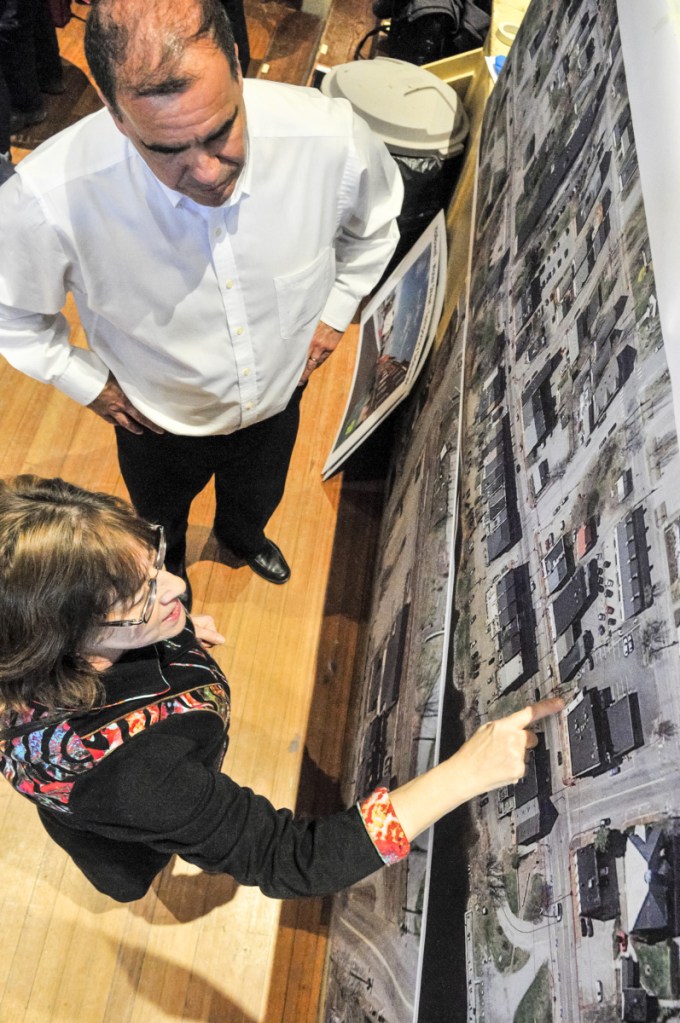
(217, 237)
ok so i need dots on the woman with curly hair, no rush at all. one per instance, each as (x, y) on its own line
(114, 718)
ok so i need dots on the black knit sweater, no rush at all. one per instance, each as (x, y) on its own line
(125, 787)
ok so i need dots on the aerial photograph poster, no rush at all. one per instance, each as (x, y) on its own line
(570, 526)
(396, 331)
(566, 565)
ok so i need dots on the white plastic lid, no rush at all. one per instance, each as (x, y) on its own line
(412, 111)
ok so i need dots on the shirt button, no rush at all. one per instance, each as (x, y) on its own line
(239, 331)
(218, 232)
(249, 405)
(229, 284)
(246, 372)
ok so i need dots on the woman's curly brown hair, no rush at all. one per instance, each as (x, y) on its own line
(67, 556)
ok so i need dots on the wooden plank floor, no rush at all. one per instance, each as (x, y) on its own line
(198, 948)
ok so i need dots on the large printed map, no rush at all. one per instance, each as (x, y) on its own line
(568, 578)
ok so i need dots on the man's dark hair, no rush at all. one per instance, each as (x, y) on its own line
(138, 47)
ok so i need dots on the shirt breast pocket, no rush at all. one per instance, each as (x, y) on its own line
(302, 295)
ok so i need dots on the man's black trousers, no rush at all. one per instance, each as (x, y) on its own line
(164, 472)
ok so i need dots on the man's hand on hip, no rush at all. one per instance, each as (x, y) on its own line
(325, 341)
(114, 407)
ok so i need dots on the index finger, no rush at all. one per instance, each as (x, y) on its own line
(134, 413)
(535, 712)
(127, 422)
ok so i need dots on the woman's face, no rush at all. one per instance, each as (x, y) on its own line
(167, 618)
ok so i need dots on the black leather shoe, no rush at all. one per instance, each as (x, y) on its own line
(270, 564)
(53, 87)
(187, 598)
(20, 119)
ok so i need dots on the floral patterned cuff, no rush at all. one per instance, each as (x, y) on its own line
(383, 827)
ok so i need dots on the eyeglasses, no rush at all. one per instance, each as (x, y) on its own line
(153, 586)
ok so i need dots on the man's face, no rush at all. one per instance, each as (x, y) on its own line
(193, 141)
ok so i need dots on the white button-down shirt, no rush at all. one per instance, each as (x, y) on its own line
(204, 315)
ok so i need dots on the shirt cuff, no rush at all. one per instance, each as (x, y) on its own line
(84, 377)
(383, 827)
(339, 309)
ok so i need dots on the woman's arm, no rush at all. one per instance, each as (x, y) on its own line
(158, 790)
(495, 755)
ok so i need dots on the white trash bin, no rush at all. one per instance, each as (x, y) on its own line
(422, 122)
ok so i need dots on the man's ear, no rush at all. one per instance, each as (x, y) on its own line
(115, 114)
